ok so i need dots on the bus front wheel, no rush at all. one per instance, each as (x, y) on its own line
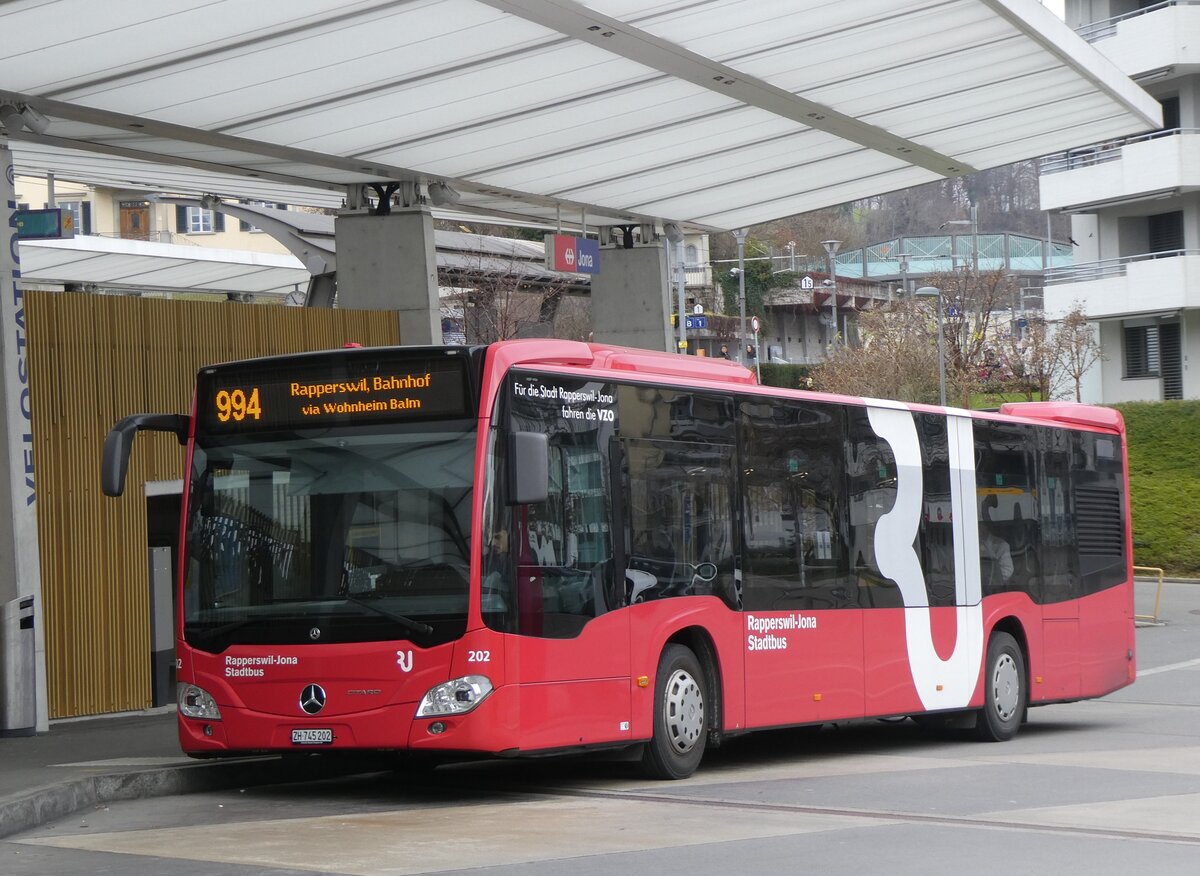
(680, 716)
(1004, 695)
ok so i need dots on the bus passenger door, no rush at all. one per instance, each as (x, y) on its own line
(573, 647)
(803, 603)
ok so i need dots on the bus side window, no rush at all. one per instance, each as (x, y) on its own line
(1054, 534)
(795, 507)
(678, 492)
(1004, 504)
(871, 477)
(936, 528)
(679, 500)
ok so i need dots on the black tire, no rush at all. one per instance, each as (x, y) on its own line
(681, 718)
(1004, 691)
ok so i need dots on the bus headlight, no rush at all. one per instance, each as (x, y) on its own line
(196, 702)
(456, 697)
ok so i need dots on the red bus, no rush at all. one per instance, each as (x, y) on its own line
(550, 546)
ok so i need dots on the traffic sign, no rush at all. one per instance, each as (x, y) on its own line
(754, 324)
(696, 322)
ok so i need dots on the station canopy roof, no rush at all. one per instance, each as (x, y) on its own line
(711, 113)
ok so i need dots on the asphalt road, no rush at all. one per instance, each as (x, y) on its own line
(1103, 787)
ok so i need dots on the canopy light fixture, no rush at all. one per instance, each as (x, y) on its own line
(442, 195)
(14, 117)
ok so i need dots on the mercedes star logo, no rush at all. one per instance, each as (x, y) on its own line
(312, 699)
(314, 633)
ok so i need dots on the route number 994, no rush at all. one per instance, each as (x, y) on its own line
(237, 405)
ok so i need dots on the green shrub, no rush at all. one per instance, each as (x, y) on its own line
(1164, 484)
(778, 374)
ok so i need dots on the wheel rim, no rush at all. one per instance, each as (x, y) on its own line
(684, 711)
(1006, 687)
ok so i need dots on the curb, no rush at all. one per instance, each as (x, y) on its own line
(57, 801)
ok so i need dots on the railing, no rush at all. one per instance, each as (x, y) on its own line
(1152, 618)
(1098, 30)
(1101, 153)
(150, 236)
(1109, 267)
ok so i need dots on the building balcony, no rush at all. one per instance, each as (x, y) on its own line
(1158, 42)
(1142, 284)
(1157, 165)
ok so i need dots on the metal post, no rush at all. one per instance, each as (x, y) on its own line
(941, 354)
(1046, 250)
(975, 238)
(740, 235)
(831, 248)
(934, 292)
(683, 344)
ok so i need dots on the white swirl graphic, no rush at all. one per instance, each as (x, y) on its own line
(941, 684)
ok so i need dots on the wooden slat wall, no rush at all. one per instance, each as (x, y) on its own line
(93, 360)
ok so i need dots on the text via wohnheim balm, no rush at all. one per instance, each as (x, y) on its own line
(770, 633)
(255, 667)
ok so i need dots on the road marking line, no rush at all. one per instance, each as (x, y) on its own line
(1169, 667)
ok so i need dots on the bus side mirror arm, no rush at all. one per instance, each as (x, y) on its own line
(528, 468)
(115, 462)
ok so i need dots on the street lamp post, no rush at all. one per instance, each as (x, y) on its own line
(934, 292)
(831, 248)
(739, 235)
(974, 223)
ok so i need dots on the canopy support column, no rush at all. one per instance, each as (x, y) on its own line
(389, 262)
(631, 297)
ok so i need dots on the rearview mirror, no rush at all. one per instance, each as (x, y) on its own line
(528, 468)
(118, 443)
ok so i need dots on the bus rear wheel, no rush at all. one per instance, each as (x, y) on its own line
(680, 716)
(1004, 694)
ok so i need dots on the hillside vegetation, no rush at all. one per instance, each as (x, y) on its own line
(1164, 484)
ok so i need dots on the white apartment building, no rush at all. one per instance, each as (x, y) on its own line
(1135, 209)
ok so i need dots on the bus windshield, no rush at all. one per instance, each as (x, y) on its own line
(336, 535)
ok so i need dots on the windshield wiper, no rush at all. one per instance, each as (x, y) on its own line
(413, 626)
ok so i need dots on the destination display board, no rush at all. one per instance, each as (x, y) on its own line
(316, 391)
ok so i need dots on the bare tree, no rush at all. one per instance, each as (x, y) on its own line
(898, 357)
(974, 304)
(1032, 358)
(1077, 346)
(899, 353)
(502, 297)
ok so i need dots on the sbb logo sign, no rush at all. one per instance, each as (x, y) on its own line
(575, 255)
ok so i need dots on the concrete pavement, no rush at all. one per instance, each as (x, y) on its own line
(83, 763)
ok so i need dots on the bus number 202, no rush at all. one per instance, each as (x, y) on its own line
(479, 656)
